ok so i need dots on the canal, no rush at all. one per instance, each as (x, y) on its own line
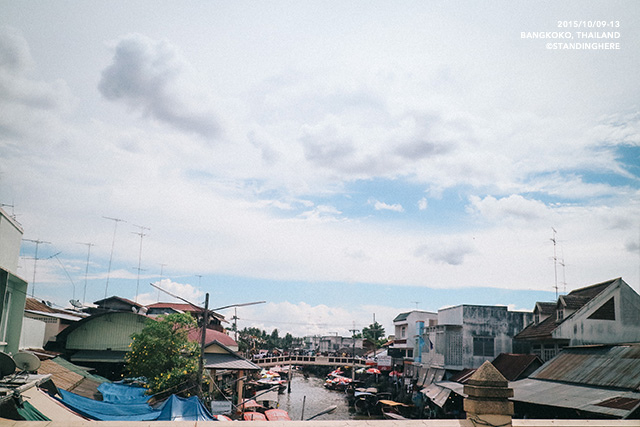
(316, 398)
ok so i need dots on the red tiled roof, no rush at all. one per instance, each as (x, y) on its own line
(177, 306)
(212, 335)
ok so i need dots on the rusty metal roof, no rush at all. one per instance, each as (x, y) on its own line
(602, 365)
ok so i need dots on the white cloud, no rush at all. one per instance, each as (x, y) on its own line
(423, 204)
(149, 75)
(381, 206)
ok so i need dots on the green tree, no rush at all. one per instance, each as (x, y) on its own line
(374, 332)
(163, 354)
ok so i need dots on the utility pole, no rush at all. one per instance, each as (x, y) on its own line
(141, 234)
(86, 271)
(353, 354)
(35, 262)
(205, 320)
(113, 243)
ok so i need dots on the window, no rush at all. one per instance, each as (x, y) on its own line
(536, 318)
(483, 346)
(403, 332)
(560, 314)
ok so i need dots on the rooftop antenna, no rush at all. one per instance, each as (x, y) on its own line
(113, 243)
(564, 276)
(35, 262)
(141, 234)
(416, 303)
(86, 271)
(161, 276)
(555, 261)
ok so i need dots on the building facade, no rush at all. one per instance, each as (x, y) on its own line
(468, 335)
(406, 343)
(604, 313)
(13, 289)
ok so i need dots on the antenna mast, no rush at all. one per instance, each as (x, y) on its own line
(86, 271)
(35, 262)
(141, 234)
(113, 243)
(555, 261)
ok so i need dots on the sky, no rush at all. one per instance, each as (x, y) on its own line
(341, 161)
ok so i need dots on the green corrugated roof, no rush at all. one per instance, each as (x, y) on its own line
(79, 370)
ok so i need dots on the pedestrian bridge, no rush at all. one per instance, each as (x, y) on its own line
(266, 362)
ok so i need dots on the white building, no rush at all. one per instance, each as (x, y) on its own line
(406, 327)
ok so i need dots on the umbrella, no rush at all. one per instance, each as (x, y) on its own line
(395, 374)
(373, 371)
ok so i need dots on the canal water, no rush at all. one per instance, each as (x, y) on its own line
(316, 399)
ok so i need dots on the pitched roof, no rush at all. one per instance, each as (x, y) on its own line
(401, 316)
(120, 299)
(574, 300)
(513, 366)
(40, 307)
(180, 306)
(546, 308)
(540, 330)
(195, 334)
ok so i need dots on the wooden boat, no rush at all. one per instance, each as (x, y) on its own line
(392, 410)
(277, 415)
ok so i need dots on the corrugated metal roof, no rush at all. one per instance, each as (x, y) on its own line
(229, 361)
(583, 398)
(605, 366)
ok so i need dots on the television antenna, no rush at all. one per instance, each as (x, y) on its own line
(555, 261)
(38, 242)
(141, 234)
(113, 243)
(86, 271)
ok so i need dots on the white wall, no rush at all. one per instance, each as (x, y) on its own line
(33, 333)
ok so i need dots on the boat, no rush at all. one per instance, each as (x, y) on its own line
(392, 410)
(277, 415)
(254, 416)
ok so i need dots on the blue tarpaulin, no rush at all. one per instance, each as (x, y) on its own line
(173, 409)
(122, 393)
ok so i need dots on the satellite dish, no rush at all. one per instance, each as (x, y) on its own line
(27, 362)
(7, 365)
(76, 303)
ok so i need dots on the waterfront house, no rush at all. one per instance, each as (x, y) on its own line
(604, 313)
(13, 289)
(468, 335)
(407, 326)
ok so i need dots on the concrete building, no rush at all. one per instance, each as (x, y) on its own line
(333, 344)
(604, 313)
(468, 335)
(406, 328)
(13, 289)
